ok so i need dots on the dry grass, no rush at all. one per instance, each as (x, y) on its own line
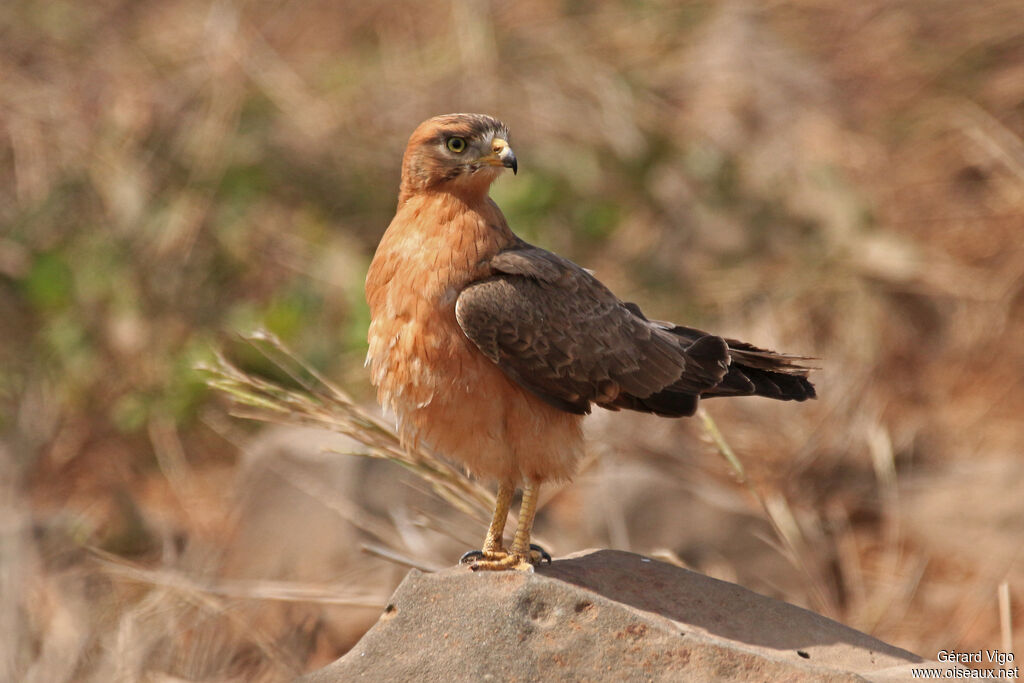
(316, 402)
(844, 180)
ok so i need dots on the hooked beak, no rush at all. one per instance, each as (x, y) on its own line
(502, 155)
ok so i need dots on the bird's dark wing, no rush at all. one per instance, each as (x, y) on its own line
(557, 331)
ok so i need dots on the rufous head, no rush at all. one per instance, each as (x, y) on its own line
(459, 153)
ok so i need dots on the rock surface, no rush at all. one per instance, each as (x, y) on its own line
(604, 616)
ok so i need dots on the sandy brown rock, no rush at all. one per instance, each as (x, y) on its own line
(604, 616)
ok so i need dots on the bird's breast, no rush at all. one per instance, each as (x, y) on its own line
(416, 347)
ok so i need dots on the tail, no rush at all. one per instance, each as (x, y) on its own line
(758, 372)
(716, 366)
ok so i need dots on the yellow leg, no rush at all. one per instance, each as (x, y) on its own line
(494, 544)
(527, 511)
(522, 556)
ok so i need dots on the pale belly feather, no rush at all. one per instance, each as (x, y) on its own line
(452, 399)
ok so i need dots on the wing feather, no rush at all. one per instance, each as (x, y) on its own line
(557, 331)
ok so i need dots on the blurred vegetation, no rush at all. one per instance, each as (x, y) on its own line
(839, 179)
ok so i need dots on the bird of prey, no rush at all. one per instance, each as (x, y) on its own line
(490, 350)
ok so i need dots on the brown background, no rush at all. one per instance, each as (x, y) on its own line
(839, 179)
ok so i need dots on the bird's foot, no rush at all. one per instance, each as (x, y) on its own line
(474, 556)
(539, 555)
(479, 560)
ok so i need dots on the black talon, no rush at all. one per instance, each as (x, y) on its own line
(544, 555)
(471, 555)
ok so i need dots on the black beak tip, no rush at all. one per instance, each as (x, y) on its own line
(508, 160)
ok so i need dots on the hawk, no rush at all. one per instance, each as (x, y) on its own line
(490, 351)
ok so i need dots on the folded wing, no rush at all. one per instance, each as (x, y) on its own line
(558, 332)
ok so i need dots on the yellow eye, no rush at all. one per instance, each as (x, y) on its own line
(456, 145)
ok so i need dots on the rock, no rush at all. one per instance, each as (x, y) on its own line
(604, 616)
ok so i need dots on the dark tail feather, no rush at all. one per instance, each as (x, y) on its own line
(743, 380)
(722, 367)
(758, 372)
